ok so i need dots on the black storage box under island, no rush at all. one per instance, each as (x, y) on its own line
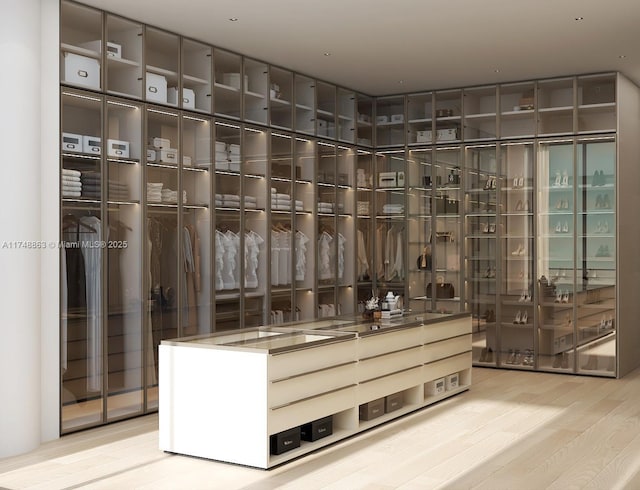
(317, 429)
(371, 410)
(393, 402)
(285, 441)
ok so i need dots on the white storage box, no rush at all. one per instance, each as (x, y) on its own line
(156, 88)
(397, 118)
(168, 156)
(81, 70)
(449, 134)
(114, 50)
(453, 381)
(91, 144)
(233, 80)
(186, 161)
(234, 150)
(382, 119)
(391, 179)
(151, 155)
(435, 387)
(161, 143)
(322, 127)
(424, 136)
(188, 97)
(221, 146)
(118, 148)
(71, 142)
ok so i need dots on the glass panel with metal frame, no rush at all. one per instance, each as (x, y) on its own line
(517, 286)
(390, 122)
(326, 110)
(345, 220)
(229, 83)
(597, 103)
(123, 62)
(305, 227)
(420, 118)
(596, 256)
(124, 255)
(446, 236)
(365, 226)
(517, 110)
(482, 227)
(197, 63)
(281, 98)
(327, 233)
(82, 230)
(162, 57)
(448, 116)
(305, 114)
(555, 106)
(364, 120)
(256, 93)
(480, 108)
(346, 115)
(556, 293)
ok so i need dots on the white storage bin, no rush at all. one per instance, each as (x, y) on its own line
(221, 146)
(71, 142)
(168, 156)
(424, 136)
(453, 381)
(156, 88)
(397, 118)
(188, 97)
(114, 50)
(118, 148)
(449, 134)
(435, 387)
(186, 161)
(151, 155)
(161, 143)
(81, 70)
(382, 119)
(91, 144)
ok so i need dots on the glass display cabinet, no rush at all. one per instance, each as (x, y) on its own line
(390, 121)
(305, 96)
(256, 92)
(364, 123)
(123, 63)
(555, 99)
(162, 57)
(281, 98)
(365, 226)
(229, 83)
(420, 118)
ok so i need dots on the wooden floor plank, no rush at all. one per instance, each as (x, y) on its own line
(512, 430)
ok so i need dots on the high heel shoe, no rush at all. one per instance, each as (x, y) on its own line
(519, 250)
(558, 227)
(526, 207)
(517, 319)
(565, 179)
(519, 205)
(565, 227)
(524, 318)
(606, 204)
(485, 228)
(492, 228)
(558, 180)
(521, 182)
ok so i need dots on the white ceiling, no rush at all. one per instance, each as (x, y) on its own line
(386, 47)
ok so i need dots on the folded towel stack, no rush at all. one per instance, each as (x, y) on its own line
(71, 184)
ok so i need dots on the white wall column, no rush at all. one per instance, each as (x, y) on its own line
(23, 85)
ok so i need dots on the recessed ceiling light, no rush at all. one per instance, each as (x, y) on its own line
(622, 56)
(400, 81)
(579, 18)
(233, 19)
(327, 54)
(497, 70)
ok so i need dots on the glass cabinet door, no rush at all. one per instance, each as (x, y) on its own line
(517, 110)
(365, 226)
(254, 194)
(420, 118)
(326, 110)
(304, 243)
(595, 297)
(481, 184)
(390, 121)
(420, 170)
(81, 272)
(305, 93)
(162, 56)
(80, 46)
(446, 232)
(163, 198)
(124, 255)
(556, 255)
(197, 60)
(597, 103)
(281, 98)
(196, 225)
(365, 120)
(517, 291)
(256, 92)
(226, 236)
(228, 83)
(124, 57)
(346, 115)
(346, 243)
(480, 108)
(448, 116)
(282, 203)
(327, 234)
(555, 106)
(390, 233)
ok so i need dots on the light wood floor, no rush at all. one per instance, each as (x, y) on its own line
(513, 430)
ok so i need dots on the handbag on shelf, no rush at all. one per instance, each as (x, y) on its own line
(424, 259)
(443, 290)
